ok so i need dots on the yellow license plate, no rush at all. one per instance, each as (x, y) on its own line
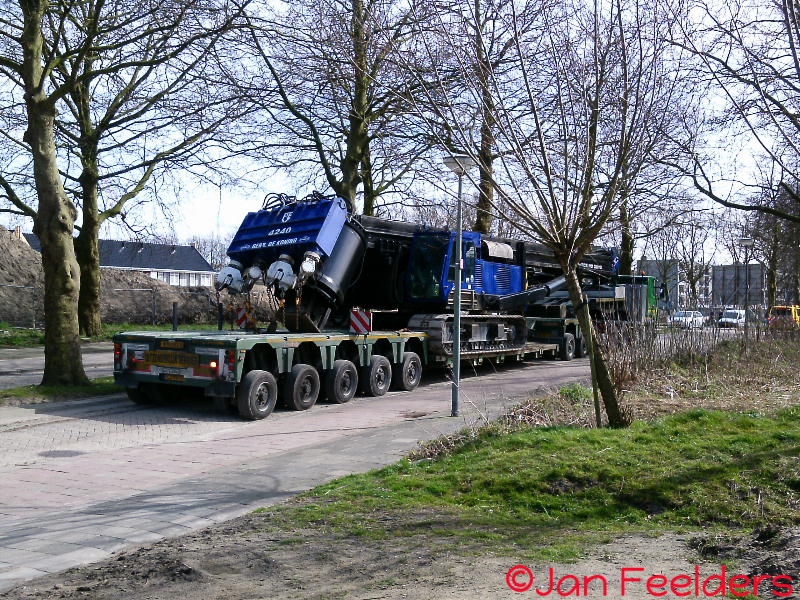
(170, 377)
(171, 359)
(171, 344)
(545, 334)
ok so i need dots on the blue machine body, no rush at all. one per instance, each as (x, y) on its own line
(431, 273)
(292, 229)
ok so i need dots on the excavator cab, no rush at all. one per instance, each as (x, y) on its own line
(432, 268)
(426, 266)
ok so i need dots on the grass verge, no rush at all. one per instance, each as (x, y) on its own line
(544, 493)
(29, 394)
(14, 337)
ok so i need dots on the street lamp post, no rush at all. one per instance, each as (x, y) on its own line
(746, 243)
(459, 164)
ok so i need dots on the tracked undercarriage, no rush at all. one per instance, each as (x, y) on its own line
(480, 334)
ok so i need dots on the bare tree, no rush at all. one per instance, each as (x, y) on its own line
(748, 51)
(214, 248)
(486, 31)
(592, 86)
(139, 102)
(26, 65)
(332, 100)
(694, 253)
(775, 242)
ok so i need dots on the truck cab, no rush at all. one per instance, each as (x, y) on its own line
(783, 317)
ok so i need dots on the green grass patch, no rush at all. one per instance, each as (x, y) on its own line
(545, 493)
(101, 386)
(13, 337)
(575, 392)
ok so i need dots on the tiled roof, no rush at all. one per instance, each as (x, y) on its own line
(144, 255)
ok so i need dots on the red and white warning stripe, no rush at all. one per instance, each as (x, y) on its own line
(360, 322)
(241, 316)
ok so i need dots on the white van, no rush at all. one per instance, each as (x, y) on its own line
(732, 317)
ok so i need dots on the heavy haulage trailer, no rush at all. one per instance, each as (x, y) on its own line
(321, 262)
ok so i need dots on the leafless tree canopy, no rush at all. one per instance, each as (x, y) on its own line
(579, 112)
(747, 50)
(331, 97)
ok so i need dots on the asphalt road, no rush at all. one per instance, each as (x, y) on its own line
(25, 366)
(84, 479)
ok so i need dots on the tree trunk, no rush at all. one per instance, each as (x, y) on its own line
(604, 383)
(54, 221)
(86, 245)
(626, 246)
(369, 186)
(53, 226)
(357, 138)
(483, 218)
(87, 252)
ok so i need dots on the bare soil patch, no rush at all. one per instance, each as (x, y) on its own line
(246, 558)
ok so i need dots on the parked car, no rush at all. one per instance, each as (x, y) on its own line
(687, 319)
(784, 316)
(733, 317)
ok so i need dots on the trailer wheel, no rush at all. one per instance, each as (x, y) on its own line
(225, 405)
(581, 350)
(163, 394)
(138, 396)
(376, 378)
(301, 387)
(257, 395)
(567, 349)
(341, 382)
(407, 377)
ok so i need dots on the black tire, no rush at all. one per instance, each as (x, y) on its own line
(257, 395)
(375, 379)
(162, 394)
(408, 376)
(138, 396)
(301, 388)
(341, 382)
(581, 349)
(567, 349)
(226, 406)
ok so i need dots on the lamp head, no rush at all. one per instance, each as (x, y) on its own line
(459, 163)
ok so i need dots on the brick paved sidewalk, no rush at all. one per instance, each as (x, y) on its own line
(80, 481)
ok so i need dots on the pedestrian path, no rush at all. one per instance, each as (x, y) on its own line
(81, 481)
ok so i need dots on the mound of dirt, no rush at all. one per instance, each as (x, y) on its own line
(134, 297)
(21, 282)
(126, 296)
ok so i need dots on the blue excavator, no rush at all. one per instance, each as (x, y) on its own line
(320, 260)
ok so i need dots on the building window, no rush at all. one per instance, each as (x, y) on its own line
(174, 279)
(184, 279)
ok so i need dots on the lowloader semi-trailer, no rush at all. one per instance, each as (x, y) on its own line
(247, 373)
